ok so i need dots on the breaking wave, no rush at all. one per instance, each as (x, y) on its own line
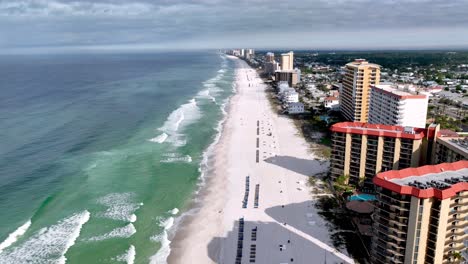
(120, 207)
(13, 237)
(120, 232)
(49, 244)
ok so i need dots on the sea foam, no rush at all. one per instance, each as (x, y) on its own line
(13, 237)
(120, 232)
(128, 256)
(177, 120)
(49, 244)
(174, 211)
(177, 158)
(163, 238)
(120, 207)
(160, 139)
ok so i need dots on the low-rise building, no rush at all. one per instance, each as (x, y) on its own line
(421, 215)
(290, 96)
(360, 150)
(391, 105)
(332, 103)
(296, 108)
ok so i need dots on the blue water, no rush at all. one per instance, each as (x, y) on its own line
(362, 197)
(100, 151)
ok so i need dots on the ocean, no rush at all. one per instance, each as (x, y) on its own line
(100, 153)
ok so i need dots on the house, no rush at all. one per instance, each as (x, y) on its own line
(290, 97)
(296, 108)
(332, 103)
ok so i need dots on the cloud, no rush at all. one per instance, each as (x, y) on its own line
(204, 23)
(39, 8)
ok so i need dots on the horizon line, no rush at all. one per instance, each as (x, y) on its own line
(153, 48)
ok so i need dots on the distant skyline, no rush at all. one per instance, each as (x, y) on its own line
(83, 25)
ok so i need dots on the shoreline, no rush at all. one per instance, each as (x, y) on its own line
(207, 180)
(282, 206)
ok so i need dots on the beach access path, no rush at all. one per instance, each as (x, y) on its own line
(280, 221)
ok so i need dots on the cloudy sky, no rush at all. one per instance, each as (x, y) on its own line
(187, 24)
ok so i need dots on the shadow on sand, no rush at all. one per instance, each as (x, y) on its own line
(268, 250)
(324, 218)
(302, 166)
(319, 222)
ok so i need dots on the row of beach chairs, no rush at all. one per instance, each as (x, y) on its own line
(253, 253)
(257, 190)
(247, 189)
(240, 241)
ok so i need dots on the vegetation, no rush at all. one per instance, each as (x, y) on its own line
(457, 256)
(343, 232)
(341, 184)
(448, 123)
(395, 60)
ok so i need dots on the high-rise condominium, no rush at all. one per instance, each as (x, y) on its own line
(354, 99)
(287, 61)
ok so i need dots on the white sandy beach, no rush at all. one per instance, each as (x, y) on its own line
(211, 235)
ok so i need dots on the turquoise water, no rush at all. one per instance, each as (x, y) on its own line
(101, 152)
(362, 197)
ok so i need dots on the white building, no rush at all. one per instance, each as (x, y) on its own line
(296, 108)
(392, 106)
(332, 103)
(282, 87)
(290, 96)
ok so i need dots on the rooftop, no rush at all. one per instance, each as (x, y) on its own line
(460, 143)
(331, 98)
(379, 130)
(362, 62)
(441, 181)
(392, 89)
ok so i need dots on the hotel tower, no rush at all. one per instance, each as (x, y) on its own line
(355, 94)
(421, 215)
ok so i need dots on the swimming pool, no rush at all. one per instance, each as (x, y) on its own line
(362, 197)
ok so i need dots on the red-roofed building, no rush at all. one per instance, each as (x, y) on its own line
(361, 150)
(331, 102)
(421, 214)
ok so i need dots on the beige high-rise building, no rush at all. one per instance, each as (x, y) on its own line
(355, 95)
(421, 215)
(287, 61)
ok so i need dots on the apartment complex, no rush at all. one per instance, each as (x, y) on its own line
(287, 61)
(450, 149)
(360, 150)
(270, 57)
(421, 215)
(390, 105)
(292, 77)
(355, 93)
